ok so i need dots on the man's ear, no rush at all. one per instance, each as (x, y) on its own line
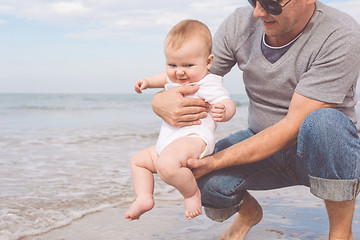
(310, 2)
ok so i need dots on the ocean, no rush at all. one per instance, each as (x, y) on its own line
(63, 156)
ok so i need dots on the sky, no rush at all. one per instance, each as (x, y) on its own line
(92, 46)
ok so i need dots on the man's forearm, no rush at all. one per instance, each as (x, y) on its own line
(258, 147)
(277, 137)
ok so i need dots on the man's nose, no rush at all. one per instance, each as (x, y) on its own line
(259, 11)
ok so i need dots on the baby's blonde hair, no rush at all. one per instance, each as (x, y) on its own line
(186, 30)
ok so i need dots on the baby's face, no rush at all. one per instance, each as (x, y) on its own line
(188, 64)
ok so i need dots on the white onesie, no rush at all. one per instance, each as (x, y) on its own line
(212, 91)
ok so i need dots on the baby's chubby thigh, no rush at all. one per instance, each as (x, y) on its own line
(145, 158)
(175, 155)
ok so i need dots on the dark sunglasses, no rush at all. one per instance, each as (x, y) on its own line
(272, 7)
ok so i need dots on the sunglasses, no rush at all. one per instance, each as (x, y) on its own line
(272, 7)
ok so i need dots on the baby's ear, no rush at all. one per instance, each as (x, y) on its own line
(210, 60)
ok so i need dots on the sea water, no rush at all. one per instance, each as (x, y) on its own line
(63, 156)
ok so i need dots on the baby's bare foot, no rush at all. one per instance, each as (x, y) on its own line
(141, 205)
(193, 205)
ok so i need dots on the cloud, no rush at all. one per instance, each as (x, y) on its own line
(130, 19)
(99, 18)
(69, 8)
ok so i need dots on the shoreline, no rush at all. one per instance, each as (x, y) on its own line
(290, 213)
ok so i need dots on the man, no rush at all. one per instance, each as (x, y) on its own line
(300, 62)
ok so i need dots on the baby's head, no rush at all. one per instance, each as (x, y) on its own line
(187, 49)
(187, 30)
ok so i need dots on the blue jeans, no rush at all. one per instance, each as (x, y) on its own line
(326, 159)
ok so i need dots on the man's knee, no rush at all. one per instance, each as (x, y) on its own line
(329, 143)
(219, 191)
(325, 131)
(323, 123)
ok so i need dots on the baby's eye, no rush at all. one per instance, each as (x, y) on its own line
(189, 65)
(172, 65)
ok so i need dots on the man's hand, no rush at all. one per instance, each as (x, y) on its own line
(202, 166)
(177, 110)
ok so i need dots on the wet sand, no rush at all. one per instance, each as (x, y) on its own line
(290, 213)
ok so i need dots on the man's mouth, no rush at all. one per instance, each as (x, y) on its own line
(268, 23)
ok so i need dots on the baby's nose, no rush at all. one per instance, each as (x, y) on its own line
(180, 71)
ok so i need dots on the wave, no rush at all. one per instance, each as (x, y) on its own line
(33, 215)
(72, 102)
(80, 102)
(55, 108)
(21, 232)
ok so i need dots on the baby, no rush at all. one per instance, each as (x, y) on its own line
(187, 49)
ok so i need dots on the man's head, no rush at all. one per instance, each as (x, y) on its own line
(283, 20)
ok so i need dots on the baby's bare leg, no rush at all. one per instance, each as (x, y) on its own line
(142, 169)
(171, 167)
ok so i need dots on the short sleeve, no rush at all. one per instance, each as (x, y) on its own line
(335, 69)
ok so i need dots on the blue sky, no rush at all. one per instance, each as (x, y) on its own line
(92, 46)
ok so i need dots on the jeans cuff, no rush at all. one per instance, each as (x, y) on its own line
(334, 189)
(222, 214)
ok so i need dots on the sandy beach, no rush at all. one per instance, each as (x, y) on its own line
(290, 213)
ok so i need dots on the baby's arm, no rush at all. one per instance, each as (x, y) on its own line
(223, 111)
(155, 81)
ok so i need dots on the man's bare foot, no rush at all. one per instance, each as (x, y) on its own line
(141, 205)
(249, 215)
(193, 205)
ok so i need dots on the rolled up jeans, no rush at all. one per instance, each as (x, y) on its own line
(326, 158)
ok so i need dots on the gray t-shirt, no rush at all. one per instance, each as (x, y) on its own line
(322, 64)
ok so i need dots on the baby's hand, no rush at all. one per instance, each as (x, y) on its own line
(218, 112)
(141, 84)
